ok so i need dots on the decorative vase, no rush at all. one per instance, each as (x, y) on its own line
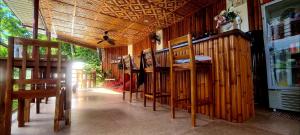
(227, 26)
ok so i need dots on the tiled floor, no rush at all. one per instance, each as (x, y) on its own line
(101, 112)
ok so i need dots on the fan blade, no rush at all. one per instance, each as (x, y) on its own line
(111, 41)
(99, 41)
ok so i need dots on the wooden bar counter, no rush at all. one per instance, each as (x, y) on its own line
(232, 78)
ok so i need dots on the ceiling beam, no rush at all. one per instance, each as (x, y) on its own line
(35, 26)
(76, 42)
(73, 18)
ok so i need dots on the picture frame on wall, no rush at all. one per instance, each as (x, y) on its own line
(235, 3)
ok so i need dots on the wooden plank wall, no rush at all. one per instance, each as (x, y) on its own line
(112, 54)
(232, 78)
(197, 24)
(254, 13)
(139, 47)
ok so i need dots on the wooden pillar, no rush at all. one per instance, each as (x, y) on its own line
(100, 58)
(35, 49)
(8, 90)
(35, 19)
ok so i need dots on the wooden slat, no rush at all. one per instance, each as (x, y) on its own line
(178, 40)
(35, 42)
(178, 57)
(28, 94)
(36, 81)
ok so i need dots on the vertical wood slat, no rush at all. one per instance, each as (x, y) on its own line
(227, 80)
(112, 54)
(21, 102)
(58, 92)
(216, 77)
(233, 79)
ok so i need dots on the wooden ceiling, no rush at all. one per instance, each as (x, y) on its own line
(129, 20)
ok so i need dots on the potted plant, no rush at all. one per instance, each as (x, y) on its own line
(228, 20)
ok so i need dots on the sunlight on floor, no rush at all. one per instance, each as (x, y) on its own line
(104, 91)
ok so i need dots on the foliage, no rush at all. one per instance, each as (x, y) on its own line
(3, 51)
(10, 25)
(90, 57)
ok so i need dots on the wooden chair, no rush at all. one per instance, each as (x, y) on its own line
(152, 69)
(38, 86)
(183, 59)
(129, 68)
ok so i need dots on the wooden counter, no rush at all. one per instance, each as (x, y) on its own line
(230, 52)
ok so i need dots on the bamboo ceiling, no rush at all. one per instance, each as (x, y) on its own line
(130, 20)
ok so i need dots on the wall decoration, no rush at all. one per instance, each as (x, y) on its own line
(235, 3)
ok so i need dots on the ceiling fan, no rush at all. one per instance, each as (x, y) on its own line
(106, 38)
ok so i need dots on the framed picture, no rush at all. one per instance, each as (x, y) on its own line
(235, 3)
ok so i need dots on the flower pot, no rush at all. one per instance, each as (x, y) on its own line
(228, 26)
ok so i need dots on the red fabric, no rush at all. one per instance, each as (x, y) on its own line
(118, 84)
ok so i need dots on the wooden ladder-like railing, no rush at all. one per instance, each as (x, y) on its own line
(50, 78)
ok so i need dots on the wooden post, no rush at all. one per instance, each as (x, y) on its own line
(8, 90)
(35, 19)
(35, 49)
(58, 94)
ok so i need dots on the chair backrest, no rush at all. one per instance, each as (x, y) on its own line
(185, 52)
(45, 66)
(127, 62)
(46, 70)
(148, 58)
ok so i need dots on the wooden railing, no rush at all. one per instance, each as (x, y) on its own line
(83, 79)
(50, 77)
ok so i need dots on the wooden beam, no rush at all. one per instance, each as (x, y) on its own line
(35, 19)
(28, 94)
(28, 26)
(73, 17)
(79, 43)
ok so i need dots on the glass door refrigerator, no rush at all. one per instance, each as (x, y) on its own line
(281, 24)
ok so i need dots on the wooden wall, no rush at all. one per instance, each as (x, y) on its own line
(202, 22)
(197, 24)
(139, 47)
(110, 54)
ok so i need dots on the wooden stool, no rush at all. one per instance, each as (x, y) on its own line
(128, 68)
(183, 59)
(150, 67)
